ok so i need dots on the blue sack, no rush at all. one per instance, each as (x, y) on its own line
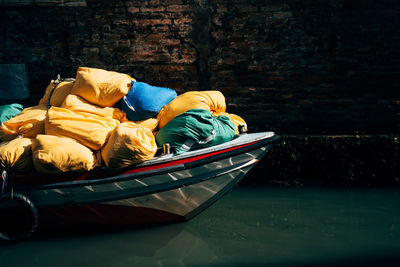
(144, 101)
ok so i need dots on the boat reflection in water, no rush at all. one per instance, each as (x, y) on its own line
(250, 226)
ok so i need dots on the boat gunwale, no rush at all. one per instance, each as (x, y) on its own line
(172, 166)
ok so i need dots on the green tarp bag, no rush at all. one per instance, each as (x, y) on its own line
(9, 111)
(195, 129)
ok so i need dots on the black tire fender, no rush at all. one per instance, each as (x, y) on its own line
(34, 216)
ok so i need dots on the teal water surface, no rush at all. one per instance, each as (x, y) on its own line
(247, 227)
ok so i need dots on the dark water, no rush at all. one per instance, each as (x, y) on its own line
(247, 227)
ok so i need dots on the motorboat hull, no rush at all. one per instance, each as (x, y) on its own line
(165, 189)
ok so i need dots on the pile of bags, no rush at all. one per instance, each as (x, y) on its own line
(108, 118)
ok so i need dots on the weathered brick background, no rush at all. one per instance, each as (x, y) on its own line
(293, 66)
(297, 67)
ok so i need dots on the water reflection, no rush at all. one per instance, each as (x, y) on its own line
(248, 227)
(168, 245)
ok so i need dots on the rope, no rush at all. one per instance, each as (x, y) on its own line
(56, 82)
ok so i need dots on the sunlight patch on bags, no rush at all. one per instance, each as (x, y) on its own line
(101, 87)
(129, 144)
(78, 104)
(91, 131)
(53, 154)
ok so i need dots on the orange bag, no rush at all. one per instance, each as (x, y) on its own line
(129, 144)
(59, 94)
(213, 101)
(53, 154)
(101, 87)
(28, 123)
(78, 104)
(150, 123)
(90, 130)
(16, 154)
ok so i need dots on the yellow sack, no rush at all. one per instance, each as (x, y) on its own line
(78, 104)
(91, 131)
(101, 87)
(150, 123)
(129, 144)
(59, 94)
(237, 120)
(52, 154)
(28, 123)
(213, 101)
(16, 154)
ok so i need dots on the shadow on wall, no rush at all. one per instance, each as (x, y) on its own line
(349, 161)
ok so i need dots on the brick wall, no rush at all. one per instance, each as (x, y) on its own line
(292, 66)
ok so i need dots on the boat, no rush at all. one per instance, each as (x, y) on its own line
(167, 188)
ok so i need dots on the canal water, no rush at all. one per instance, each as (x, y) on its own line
(249, 226)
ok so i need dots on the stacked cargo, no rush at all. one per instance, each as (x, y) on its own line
(105, 118)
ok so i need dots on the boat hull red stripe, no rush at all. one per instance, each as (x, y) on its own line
(38, 178)
(183, 161)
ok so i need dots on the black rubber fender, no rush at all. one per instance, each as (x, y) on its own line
(34, 216)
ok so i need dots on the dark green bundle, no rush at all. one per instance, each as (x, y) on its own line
(195, 129)
(9, 111)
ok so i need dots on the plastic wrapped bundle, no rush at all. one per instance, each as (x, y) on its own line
(195, 129)
(129, 144)
(53, 154)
